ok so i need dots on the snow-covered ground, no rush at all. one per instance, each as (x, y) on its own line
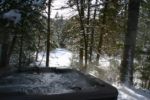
(126, 93)
(58, 58)
(62, 58)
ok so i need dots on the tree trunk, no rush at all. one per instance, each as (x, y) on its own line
(99, 49)
(92, 33)
(80, 8)
(21, 51)
(126, 70)
(48, 34)
(148, 85)
(4, 51)
(12, 47)
(87, 31)
(38, 46)
(125, 15)
(4, 57)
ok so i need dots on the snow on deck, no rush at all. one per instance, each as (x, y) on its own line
(44, 83)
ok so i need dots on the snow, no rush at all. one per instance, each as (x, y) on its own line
(58, 58)
(13, 15)
(145, 1)
(37, 2)
(104, 63)
(44, 83)
(126, 93)
(66, 13)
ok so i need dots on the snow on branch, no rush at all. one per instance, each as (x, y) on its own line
(13, 15)
(37, 2)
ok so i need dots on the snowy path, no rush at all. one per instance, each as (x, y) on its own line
(58, 58)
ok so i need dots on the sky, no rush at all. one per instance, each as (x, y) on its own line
(67, 13)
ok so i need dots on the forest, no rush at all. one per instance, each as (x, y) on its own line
(109, 39)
